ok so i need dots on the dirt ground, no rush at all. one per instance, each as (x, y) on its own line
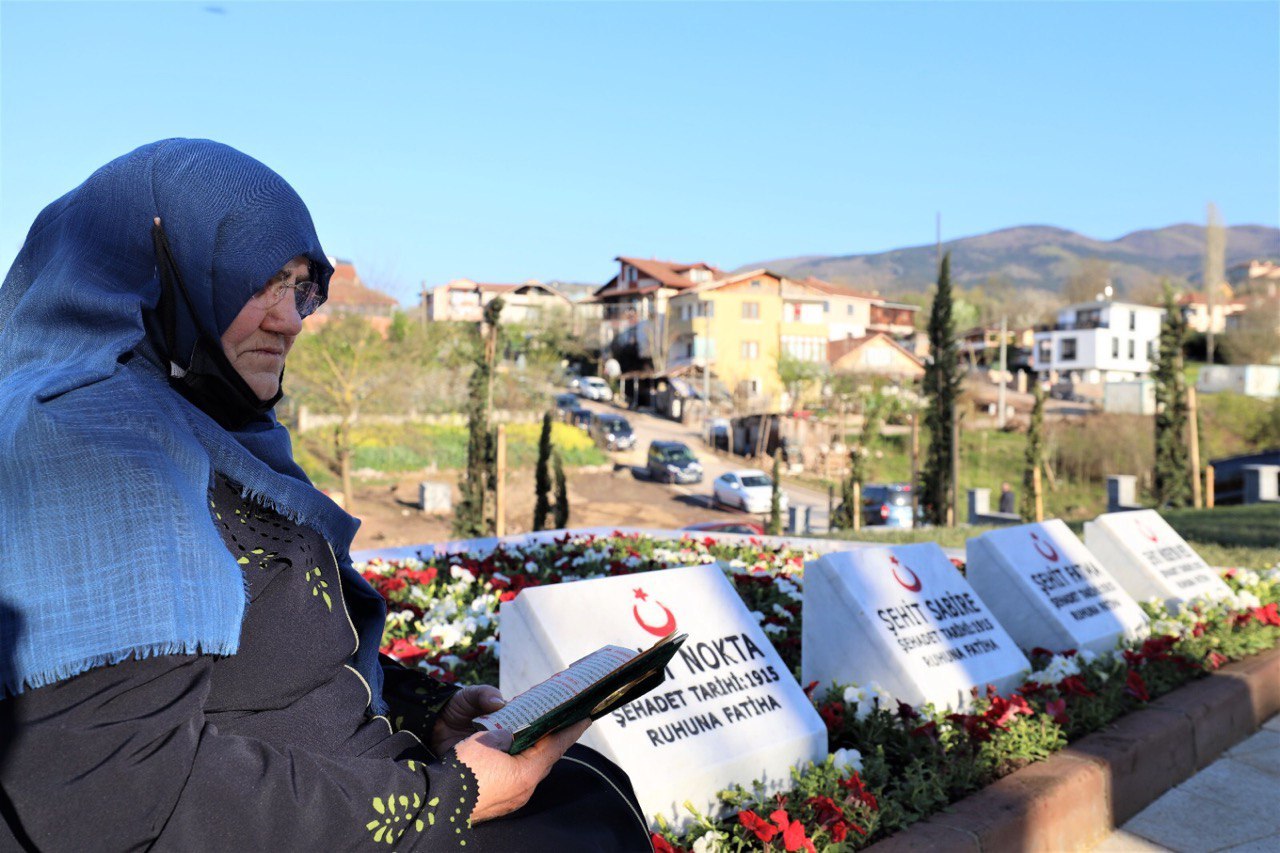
(596, 498)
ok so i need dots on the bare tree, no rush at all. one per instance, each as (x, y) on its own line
(1091, 278)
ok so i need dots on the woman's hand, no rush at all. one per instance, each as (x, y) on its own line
(454, 721)
(506, 782)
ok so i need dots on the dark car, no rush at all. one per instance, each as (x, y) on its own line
(579, 417)
(565, 402)
(888, 505)
(612, 432)
(673, 462)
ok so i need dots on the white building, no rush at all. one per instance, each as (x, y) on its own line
(1098, 342)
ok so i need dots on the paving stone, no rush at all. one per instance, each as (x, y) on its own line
(1183, 822)
(928, 835)
(1121, 841)
(1268, 844)
(1273, 724)
(1252, 796)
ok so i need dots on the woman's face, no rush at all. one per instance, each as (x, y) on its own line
(260, 337)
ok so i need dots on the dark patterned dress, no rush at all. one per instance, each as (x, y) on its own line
(275, 747)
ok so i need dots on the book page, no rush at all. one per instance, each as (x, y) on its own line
(557, 690)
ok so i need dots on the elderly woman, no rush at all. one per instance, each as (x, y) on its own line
(188, 660)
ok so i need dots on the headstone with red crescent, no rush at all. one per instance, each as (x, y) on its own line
(1150, 559)
(1049, 591)
(729, 712)
(906, 619)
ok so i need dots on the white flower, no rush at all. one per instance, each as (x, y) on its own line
(1248, 577)
(458, 573)
(853, 694)
(774, 629)
(843, 759)
(757, 615)
(782, 612)
(712, 842)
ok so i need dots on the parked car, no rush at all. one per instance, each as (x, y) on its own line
(595, 388)
(565, 402)
(579, 417)
(673, 462)
(749, 528)
(749, 489)
(612, 432)
(888, 505)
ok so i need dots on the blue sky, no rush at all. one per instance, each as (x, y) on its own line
(502, 142)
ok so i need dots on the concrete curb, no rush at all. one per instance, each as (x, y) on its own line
(1078, 796)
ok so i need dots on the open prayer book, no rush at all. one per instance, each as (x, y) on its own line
(589, 687)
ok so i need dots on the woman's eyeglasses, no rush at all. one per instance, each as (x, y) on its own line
(306, 295)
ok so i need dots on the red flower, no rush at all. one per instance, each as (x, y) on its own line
(1058, 710)
(854, 785)
(809, 688)
(507, 595)
(929, 730)
(906, 712)
(825, 810)
(1268, 615)
(424, 577)
(793, 837)
(406, 651)
(764, 830)
(1198, 629)
(832, 714)
(1003, 710)
(661, 845)
(974, 726)
(1216, 660)
(1074, 684)
(1136, 687)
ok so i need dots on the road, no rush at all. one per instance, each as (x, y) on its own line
(649, 428)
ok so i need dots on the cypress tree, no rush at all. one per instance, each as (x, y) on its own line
(1172, 478)
(542, 477)
(561, 518)
(1033, 457)
(775, 497)
(472, 518)
(941, 387)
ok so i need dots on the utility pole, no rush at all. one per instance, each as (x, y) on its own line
(1193, 439)
(500, 485)
(423, 313)
(1214, 270)
(953, 512)
(915, 467)
(1004, 366)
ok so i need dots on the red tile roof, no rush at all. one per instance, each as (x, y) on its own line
(345, 288)
(669, 273)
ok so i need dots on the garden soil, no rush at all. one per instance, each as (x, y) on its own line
(390, 518)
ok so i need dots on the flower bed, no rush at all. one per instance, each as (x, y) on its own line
(890, 764)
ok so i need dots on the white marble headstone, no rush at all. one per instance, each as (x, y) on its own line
(1150, 559)
(729, 712)
(906, 619)
(1047, 590)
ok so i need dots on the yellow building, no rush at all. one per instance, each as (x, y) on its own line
(743, 323)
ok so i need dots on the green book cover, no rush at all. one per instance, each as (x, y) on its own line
(591, 686)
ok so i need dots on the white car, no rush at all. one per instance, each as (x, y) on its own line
(595, 388)
(749, 489)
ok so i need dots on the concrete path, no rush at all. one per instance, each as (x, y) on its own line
(1233, 804)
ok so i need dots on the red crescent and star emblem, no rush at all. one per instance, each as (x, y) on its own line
(1144, 530)
(1044, 549)
(914, 586)
(657, 630)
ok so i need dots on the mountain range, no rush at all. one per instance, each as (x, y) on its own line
(1039, 256)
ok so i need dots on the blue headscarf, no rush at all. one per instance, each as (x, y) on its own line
(107, 548)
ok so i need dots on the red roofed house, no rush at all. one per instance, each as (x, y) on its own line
(634, 305)
(1195, 309)
(348, 295)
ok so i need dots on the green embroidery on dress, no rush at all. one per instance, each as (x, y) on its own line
(396, 810)
(319, 587)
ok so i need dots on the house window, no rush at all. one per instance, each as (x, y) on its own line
(1067, 349)
(1045, 354)
(848, 309)
(751, 310)
(1115, 348)
(1132, 349)
(755, 283)
(684, 312)
(1133, 322)
(711, 309)
(750, 350)
(826, 308)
